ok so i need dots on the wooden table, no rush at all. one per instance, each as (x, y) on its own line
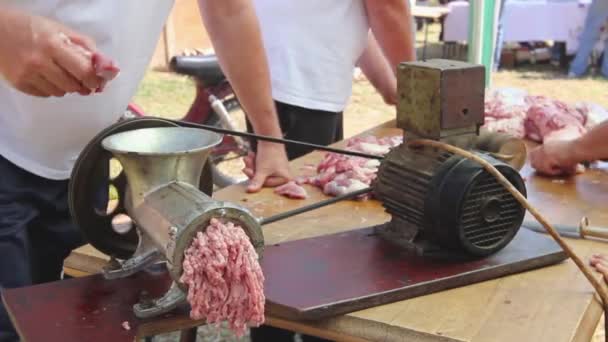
(550, 304)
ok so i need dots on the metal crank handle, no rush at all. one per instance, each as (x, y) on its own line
(290, 213)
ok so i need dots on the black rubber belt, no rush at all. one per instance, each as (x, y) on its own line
(317, 205)
(277, 140)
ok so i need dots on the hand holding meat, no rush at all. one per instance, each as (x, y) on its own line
(43, 58)
(557, 157)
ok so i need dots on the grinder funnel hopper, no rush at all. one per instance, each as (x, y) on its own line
(163, 167)
(152, 157)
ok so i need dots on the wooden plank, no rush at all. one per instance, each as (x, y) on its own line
(322, 277)
(470, 313)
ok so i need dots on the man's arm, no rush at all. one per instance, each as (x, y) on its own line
(391, 22)
(234, 31)
(562, 157)
(592, 146)
(377, 70)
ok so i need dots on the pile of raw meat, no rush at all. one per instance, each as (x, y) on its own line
(539, 118)
(339, 174)
(224, 278)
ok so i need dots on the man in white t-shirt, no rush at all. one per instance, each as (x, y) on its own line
(45, 121)
(313, 48)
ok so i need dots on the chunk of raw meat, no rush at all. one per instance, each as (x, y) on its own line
(339, 174)
(343, 187)
(104, 66)
(545, 118)
(291, 190)
(539, 118)
(594, 113)
(224, 278)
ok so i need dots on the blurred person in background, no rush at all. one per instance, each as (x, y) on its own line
(313, 48)
(595, 20)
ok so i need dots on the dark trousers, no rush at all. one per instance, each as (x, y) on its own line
(36, 232)
(308, 125)
(311, 126)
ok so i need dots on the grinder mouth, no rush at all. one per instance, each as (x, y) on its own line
(226, 212)
(161, 141)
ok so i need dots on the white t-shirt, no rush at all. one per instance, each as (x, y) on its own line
(45, 135)
(312, 48)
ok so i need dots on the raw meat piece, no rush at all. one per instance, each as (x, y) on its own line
(536, 117)
(104, 67)
(224, 278)
(126, 326)
(338, 174)
(513, 126)
(343, 187)
(506, 113)
(291, 190)
(546, 117)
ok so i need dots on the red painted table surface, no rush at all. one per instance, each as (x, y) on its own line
(305, 279)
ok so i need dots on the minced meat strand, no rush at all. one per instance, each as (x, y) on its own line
(224, 278)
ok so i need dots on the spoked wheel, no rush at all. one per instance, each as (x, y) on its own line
(104, 221)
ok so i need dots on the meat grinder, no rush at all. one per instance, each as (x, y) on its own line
(441, 203)
(163, 201)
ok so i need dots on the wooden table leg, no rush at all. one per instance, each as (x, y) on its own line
(188, 335)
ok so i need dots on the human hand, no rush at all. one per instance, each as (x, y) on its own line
(390, 96)
(555, 158)
(600, 263)
(269, 168)
(37, 59)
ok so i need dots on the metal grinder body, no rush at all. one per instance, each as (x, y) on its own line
(161, 192)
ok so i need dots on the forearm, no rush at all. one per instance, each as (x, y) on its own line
(377, 70)
(235, 34)
(592, 146)
(391, 23)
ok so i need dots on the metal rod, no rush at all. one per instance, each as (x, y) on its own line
(277, 140)
(317, 205)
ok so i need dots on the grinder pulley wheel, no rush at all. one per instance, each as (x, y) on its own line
(89, 191)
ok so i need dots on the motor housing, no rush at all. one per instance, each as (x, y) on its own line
(441, 201)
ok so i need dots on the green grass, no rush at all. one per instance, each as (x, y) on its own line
(165, 94)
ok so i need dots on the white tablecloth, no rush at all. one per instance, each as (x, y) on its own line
(526, 20)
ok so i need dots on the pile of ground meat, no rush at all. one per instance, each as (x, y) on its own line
(224, 278)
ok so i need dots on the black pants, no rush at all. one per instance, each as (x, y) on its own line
(308, 125)
(312, 126)
(36, 232)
